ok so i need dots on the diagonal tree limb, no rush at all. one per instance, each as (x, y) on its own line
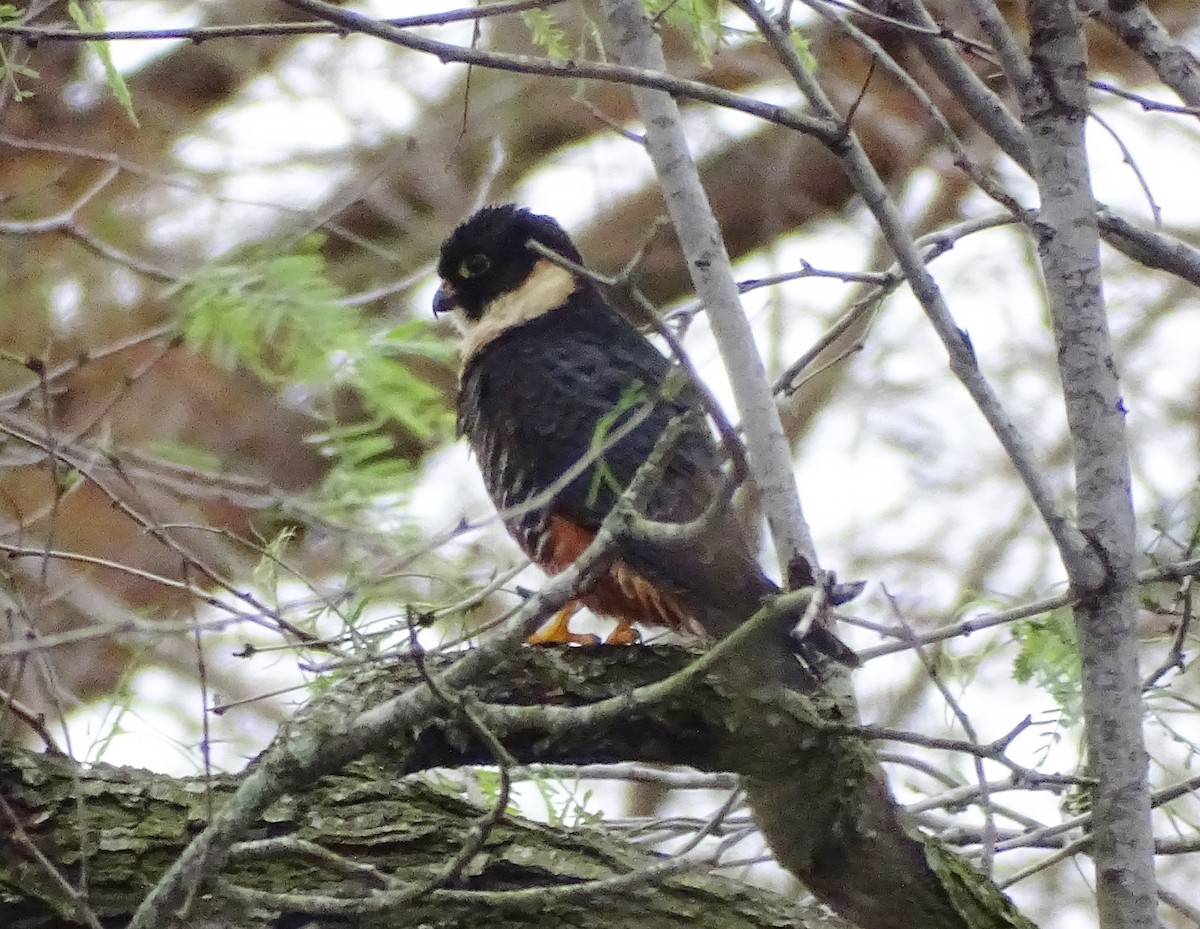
(1137, 26)
(1073, 547)
(526, 64)
(707, 721)
(635, 45)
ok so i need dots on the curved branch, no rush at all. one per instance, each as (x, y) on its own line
(526, 64)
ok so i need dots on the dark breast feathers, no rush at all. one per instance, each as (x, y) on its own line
(541, 399)
(545, 397)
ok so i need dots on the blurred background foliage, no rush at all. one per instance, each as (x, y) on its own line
(224, 405)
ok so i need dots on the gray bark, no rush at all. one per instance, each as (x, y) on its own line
(1053, 95)
(823, 799)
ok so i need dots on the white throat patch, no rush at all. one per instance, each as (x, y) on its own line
(547, 287)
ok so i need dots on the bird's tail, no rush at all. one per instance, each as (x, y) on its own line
(819, 640)
(820, 644)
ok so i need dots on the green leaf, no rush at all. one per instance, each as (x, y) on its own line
(266, 572)
(632, 396)
(546, 33)
(698, 20)
(803, 48)
(180, 453)
(279, 316)
(92, 20)
(8, 68)
(1049, 657)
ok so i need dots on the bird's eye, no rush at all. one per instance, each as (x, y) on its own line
(473, 266)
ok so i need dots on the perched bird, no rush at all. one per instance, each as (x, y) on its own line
(551, 378)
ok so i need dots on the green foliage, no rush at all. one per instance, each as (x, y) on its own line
(1050, 658)
(10, 70)
(565, 804)
(803, 49)
(546, 33)
(181, 453)
(266, 572)
(275, 315)
(92, 20)
(633, 395)
(488, 782)
(280, 317)
(698, 20)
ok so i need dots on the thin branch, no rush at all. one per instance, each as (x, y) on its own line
(1179, 904)
(15, 396)
(199, 34)
(636, 45)
(1174, 656)
(1150, 106)
(1177, 571)
(31, 718)
(78, 904)
(935, 243)
(526, 64)
(1137, 26)
(255, 849)
(324, 740)
(66, 222)
(477, 836)
(382, 900)
(984, 797)
(1127, 157)
(668, 778)
(1072, 546)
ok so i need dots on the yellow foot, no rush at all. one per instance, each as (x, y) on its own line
(624, 634)
(558, 630)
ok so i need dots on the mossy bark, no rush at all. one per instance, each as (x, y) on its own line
(816, 792)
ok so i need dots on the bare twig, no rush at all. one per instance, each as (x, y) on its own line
(452, 869)
(31, 718)
(1073, 547)
(1138, 27)
(199, 34)
(985, 799)
(525, 64)
(696, 227)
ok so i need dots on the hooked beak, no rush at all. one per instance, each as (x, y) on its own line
(445, 300)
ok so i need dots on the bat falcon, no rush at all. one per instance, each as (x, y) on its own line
(552, 381)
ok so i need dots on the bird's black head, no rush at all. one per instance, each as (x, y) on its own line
(488, 257)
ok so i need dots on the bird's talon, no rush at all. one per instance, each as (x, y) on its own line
(624, 635)
(558, 631)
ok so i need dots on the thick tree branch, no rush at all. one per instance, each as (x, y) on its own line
(708, 722)
(345, 838)
(1052, 88)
